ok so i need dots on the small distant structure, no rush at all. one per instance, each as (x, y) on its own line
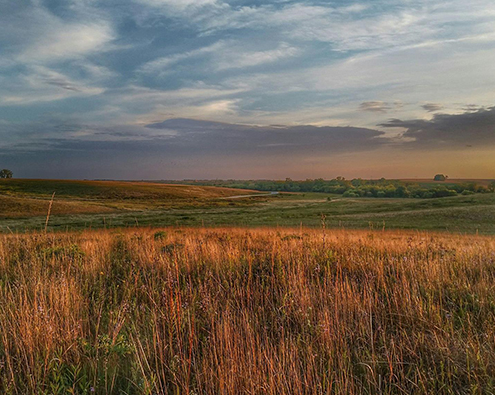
(440, 177)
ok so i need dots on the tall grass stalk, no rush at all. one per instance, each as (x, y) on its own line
(259, 311)
(49, 211)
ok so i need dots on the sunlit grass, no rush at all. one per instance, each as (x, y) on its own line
(24, 198)
(227, 311)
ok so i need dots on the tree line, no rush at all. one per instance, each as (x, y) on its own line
(358, 187)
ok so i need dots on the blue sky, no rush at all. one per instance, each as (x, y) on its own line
(247, 89)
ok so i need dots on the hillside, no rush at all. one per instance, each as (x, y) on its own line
(104, 204)
(26, 198)
(111, 190)
(12, 206)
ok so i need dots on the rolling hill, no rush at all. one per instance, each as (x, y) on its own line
(26, 197)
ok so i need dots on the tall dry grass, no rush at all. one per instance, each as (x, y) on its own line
(232, 311)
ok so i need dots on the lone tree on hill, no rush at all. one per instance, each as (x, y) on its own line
(440, 177)
(6, 173)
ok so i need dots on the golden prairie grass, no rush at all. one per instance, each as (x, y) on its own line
(259, 311)
(113, 190)
(30, 198)
(18, 207)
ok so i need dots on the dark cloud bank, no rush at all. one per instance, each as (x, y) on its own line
(215, 137)
(130, 151)
(469, 128)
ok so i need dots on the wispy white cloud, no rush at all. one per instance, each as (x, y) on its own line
(359, 26)
(48, 55)
(67, 41)
(200, 100)
(374, 106)
(221, 55)
(412, 75)
(35, 35)
(197, 92)
(41, 84)
(164, 64)
(177, 4)
(234, 59)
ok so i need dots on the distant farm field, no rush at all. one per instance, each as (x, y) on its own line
(247, 311)
(110, 204)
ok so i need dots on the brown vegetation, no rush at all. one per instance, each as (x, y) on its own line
(113, 190)
(29, 198)
(15, 207)
(231, 311)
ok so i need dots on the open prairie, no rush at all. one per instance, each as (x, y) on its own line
(113, 194)
(31, 198)
(111, 204)
(254, 311)
(304, 204)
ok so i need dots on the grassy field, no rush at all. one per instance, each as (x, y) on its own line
(30, 198)
(104, 204)
(247, 311)
(294, 300)
(118, 194)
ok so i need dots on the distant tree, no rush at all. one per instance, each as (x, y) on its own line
(401, 191)
(440, 177)
(6, 173)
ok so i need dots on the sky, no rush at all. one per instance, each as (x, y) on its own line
(248, 89)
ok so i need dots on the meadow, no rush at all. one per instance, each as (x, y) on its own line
(24, 197)
(253, 311)
(80, 205)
